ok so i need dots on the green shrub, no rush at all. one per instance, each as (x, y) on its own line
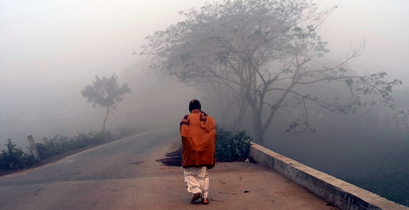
(61, 144)
(57, 145)
(232, 146)
(15, 158)
(82, 140)
(43, 151)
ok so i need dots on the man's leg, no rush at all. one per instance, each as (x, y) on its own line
(204, 182)
(191, 181)
(197, 180)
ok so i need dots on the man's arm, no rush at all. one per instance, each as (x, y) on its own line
(184, 126)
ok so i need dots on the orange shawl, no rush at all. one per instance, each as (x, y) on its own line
(198, 132)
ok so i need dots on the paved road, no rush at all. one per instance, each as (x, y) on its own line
(125, 175)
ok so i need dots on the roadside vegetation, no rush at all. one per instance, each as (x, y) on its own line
(14, 158)
(105, 92)
(230, 147)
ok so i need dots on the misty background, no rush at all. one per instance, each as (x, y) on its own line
(50, 50)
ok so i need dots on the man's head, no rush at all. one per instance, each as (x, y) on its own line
(194, 104)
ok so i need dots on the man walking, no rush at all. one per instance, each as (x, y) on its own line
(198, 132)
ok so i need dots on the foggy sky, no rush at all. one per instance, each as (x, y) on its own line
(50, 50)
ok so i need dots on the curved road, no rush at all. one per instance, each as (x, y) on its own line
(125, 175)
(93, 179)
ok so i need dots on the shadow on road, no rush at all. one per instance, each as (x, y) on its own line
(173, 158)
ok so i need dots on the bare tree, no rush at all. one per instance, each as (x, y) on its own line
(260, 49)
(106, 93)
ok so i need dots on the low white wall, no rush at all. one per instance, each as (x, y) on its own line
(341, 194)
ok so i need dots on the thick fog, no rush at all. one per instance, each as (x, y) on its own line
(50, 50)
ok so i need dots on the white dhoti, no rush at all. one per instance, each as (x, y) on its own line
(197, 180)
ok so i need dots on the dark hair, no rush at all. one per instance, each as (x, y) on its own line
(194, 104)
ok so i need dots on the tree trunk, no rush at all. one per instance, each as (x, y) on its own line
(105, 120)
(258, 126)
(242, 113)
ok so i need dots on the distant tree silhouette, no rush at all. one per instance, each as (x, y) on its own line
(106, 93)
(261, 50)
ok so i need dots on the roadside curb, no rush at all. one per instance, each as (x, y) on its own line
(341, 194)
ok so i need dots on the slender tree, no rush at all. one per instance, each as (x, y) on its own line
(105, 92)
(261, 50)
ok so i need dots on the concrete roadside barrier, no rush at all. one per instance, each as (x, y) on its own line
(341, 194)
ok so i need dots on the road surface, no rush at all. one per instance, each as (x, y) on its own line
(125, 175)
